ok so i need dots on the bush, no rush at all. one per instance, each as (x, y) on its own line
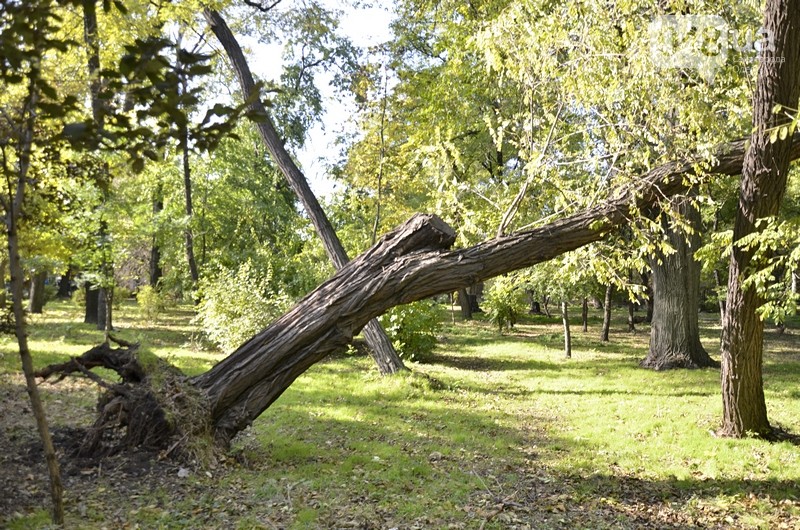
(237, 304)
(412, 328)
(504, 302)
(151, 302)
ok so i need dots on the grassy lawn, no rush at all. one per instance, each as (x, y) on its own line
(497, 431)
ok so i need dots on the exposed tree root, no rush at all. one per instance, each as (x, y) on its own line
(150, 407)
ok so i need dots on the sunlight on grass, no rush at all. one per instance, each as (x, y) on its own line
(492, 416)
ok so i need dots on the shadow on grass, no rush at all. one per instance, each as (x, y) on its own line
(467, 362)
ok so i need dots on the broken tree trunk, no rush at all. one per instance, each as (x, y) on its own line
(411, 263)
(383, 352)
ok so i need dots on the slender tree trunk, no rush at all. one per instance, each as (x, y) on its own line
(13, 204)
(3, 270)
(631, 317)
(648, 291)
(383, 353)
(156, 271)
(90, 37)
(585, 314)
(718, 277)
(675, 330)
(36, 298)
(764, 177)
(567, 335)
(104, 309)
(607, 314)
(187, 191)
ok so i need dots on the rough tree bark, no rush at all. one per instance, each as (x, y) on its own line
(674, 329)
(381, 347)
(763, 184)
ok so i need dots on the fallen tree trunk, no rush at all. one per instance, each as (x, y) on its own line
(411, 263)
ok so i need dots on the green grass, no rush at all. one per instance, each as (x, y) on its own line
(499, 431)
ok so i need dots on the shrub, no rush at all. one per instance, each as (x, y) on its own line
(504, 302)
(412, 328)
(151, 303)
(237, 304)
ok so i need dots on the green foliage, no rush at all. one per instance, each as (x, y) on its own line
(413, 328)
(151, 303)
(237, 303)
(504, 301)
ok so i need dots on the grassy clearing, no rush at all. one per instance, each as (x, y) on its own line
(499, 431)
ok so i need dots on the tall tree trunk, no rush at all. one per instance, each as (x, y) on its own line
(567, 335)
(36, 295)
(585, 314)
(90, 37)
(382, 351)
(187, 193)
(607, 314)
(12, 204)
(764, 174)
(675, 330)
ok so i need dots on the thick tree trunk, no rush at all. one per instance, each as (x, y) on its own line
(764, 177)
(607, 314)
(36, 295)
(567, 335)
(383, 352)
(674, 330)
